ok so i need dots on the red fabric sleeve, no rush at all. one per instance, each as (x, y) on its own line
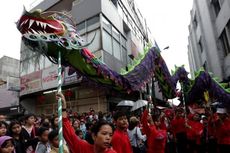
(146, 128)
(71, 138)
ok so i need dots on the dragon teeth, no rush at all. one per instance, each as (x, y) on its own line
(44, 25)
(34, 31)
(53, 27)
(37, 23)
(30, 23)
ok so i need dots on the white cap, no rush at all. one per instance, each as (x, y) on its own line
(221, 111)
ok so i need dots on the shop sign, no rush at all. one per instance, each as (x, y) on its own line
(50, 77)
(30, 83)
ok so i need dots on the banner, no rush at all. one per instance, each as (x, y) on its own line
(30, 83)
(50, 77)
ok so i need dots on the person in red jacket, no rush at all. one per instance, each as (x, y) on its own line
(194, 133)
(179, 130)
(223, 130)
(156, 137)
(120, 140)
(102, 133)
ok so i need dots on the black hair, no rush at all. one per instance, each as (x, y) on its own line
(88, 125)
(5, 143)
(29, 115)
(41, 130)
(97, 126)
(12, 123)
(118, 114)
(133, 124)
(78, 131)
(52, 122)
(52, 135)
(3, 123)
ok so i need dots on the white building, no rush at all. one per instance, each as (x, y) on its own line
(9, 85)
(209, 37)
(121, 33)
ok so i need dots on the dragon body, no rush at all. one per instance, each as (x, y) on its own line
(51, 32)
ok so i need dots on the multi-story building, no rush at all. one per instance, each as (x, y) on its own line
(9, 87)
(121, 33)
(209, 38)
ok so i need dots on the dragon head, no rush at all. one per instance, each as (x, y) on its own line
(50, 26)
(37, 25)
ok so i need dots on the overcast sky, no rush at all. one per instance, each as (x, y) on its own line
(168, 21)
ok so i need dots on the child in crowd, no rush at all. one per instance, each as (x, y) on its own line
(53, 140)
(6, 144)
(3, 127)
(43, 145)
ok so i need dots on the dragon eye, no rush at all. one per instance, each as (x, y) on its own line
(53, 36)
(33, 37)
(43, 37)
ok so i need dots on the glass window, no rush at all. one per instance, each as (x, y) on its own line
(115, 34)
(96, 44)
(124, 55)
(93, 20)
(93, 23)
(106, 24)
(123, 41)
(81, 26)
(116, 49)
(107, 42)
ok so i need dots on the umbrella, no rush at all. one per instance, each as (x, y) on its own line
(138, 104)
(126, 103)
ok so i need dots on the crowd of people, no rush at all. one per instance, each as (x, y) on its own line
(165, 131)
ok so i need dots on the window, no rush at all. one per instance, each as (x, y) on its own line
(216, 6)
(115, 33)
(107, 42)
(124, 55)
(93, 20)
(200, 46)
(225, 40)
(81, 26)
(92, 23)
(96, 44)
(106, 24)
(116, 49)
(123, 41)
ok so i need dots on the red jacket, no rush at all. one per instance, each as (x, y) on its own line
(156, 139)
(195, 132)
(76, 145)
(178, 125)
(223, 132)
(121, 143)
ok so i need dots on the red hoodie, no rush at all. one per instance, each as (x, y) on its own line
(76, 145)
(156, 139)
(178, 125)
(121, 143)
(223, 132)
(195, 132)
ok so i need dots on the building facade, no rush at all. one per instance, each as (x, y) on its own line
(121, 33)
(9, 87)
(209, 38)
